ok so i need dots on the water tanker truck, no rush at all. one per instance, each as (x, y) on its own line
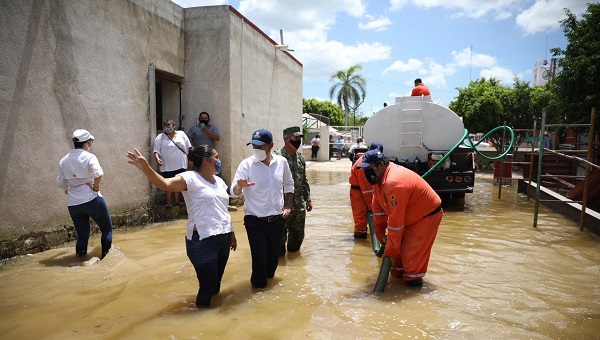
(417, 133)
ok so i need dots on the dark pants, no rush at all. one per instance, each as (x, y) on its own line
(209, 257)
(98, 211)
(264, 238)
(314, 151)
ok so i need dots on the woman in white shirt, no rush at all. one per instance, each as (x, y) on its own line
(170, 151)
(210, 235)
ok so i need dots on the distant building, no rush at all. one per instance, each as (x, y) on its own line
(542, 72)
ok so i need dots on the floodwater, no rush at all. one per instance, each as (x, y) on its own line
(491, 276)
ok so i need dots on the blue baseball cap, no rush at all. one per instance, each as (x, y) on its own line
(371, 157)
(261, 137)
(376, 146)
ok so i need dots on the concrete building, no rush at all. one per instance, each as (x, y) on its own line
(119, 69)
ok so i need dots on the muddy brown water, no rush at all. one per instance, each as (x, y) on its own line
(491, 276)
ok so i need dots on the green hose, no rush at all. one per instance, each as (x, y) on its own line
(386, 263)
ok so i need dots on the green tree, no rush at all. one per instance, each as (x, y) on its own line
(349, 89)
(324, 108)
(481, 104)
(576, 85)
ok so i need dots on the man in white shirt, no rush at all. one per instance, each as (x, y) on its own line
(266, 181)
(79, 174)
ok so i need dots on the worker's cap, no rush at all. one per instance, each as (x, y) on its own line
(261, 137)
(81, 135)
(371, 157)
(294, 130)
(376, 146)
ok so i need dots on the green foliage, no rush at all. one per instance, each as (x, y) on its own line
(349, 89)
(577, 84)
(324, 108)
(486, 104)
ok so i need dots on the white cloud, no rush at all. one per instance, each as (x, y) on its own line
(545, 15)
(319, 57)
(397, 4)
(379, 24)
(412, 65)
(505, 75)
(466, 58)
(498, 9)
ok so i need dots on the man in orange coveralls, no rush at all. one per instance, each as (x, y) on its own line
(410, 210)
(361, 195)
(420, 89)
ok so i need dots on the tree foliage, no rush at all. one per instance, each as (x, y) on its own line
(486, 104)
(349, 89)
(577, 85)
(324, 108)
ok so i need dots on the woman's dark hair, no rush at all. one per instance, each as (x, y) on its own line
(198, 154)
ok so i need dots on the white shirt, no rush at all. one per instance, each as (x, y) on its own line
(318, 140)
(173, 158)
(76, 173)
(265, 197)
(206, 205)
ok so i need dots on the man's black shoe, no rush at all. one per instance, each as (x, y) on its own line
(415, 283)
(360, 235)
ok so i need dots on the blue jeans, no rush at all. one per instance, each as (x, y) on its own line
(98, 211)
(209, 257)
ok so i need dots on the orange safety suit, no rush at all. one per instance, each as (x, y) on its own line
(420, 89)
(361, 195)
(410, 210)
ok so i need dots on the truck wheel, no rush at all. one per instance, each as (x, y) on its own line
(458, 200)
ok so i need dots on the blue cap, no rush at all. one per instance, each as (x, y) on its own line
(261, 137)
(371, 157)
(376, 145)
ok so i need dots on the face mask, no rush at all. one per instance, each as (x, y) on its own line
(296, 143)
(371, 176)
(205, 122)
(218, 166)
(169, 128)
(259, 154)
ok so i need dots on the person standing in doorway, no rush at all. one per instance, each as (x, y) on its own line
(315, 146)
(209, 235)
(420, 89)
(293, 232)
(170, 151)
(80, 174)
(266, 181)
(203, 133)
(409, 209)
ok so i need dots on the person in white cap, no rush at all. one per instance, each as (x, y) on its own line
(80, 174)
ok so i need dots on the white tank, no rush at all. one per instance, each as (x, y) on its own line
(412, 127)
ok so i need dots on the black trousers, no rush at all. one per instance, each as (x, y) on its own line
(264, 238)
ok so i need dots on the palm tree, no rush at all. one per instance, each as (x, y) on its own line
(350, 88)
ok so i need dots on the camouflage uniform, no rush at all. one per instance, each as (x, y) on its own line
(294, 224)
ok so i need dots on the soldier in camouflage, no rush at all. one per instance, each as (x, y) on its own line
(293, 233)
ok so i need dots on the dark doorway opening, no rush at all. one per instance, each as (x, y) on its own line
(168, 99)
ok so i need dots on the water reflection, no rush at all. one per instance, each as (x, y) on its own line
(491, 275)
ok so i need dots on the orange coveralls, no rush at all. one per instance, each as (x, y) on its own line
(405, 205)
(420, 89)
(361, 195)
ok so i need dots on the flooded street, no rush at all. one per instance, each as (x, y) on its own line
(491, 276)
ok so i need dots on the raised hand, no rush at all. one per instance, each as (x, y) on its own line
(137, 159)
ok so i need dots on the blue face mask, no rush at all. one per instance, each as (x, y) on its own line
(218, 166)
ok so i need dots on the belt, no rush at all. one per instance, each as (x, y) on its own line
(435, 211)
(269, 218)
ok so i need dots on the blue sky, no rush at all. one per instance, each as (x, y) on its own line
(446, 43)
